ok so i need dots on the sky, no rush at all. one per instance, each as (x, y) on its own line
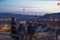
(29, 6)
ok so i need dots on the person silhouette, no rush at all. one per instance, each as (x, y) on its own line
(30, 29)
(14, 32)
(21, 30)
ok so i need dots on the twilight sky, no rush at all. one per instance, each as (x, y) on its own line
(29, 6)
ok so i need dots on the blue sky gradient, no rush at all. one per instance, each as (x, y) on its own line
(29, 6)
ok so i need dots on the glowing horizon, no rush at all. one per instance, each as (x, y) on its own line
(29, 6)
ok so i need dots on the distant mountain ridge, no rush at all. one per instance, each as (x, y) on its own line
(17, 16)
(23, 17)
(53, 15)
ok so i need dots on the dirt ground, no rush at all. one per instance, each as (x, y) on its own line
(37, 36)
